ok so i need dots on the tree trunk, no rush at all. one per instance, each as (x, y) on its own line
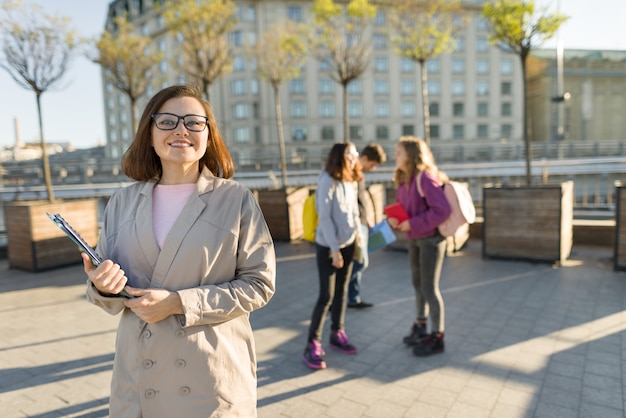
(133, 115)
(346, 119)
(425, 107)
(526, 137)
(44, 154)
(281, 137)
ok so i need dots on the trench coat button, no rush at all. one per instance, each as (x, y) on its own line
(147, 334)
(180, 333)
(150, 393)
(147, 364)
(180, 363)
(185, 391)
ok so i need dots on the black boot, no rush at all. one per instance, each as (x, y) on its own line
(433, 344)
(418, 331)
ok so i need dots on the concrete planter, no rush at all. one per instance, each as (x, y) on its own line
(282, 209)
(528, 222)
(35, 243)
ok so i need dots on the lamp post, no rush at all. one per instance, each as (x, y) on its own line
(561, 96)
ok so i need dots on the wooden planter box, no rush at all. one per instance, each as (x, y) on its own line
(528, 222)
(620, 227)
(35, 243)
(282, 209)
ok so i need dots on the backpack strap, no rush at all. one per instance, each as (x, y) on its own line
(418, 183)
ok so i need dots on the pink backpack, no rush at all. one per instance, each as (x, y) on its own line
(461, 203)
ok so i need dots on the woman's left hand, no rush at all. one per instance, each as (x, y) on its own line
(405, 226)
(154, 305)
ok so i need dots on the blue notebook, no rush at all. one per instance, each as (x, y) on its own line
(380, 236)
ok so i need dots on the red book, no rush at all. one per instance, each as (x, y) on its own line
(395, 210)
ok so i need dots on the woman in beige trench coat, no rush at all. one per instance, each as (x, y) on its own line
(194, 253)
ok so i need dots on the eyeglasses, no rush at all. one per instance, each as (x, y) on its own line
(169, 122)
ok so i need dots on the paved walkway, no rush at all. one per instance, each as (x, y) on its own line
(522, 340)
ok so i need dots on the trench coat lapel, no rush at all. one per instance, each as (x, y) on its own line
(143, 222)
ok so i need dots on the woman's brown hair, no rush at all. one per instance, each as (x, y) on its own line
(420, 158)
(140, 162)
(336, 165)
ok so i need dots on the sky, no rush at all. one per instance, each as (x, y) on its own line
(74, 112)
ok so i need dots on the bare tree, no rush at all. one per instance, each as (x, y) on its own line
(204, 27)
(279, 57)
(341, 40)
(37, 49)
(517, 25)
(422, 30)
(127, 59)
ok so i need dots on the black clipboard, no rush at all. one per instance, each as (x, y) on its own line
(81, 243)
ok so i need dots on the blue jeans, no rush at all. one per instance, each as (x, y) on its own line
(354, 287)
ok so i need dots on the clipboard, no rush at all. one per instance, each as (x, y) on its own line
(81, 243)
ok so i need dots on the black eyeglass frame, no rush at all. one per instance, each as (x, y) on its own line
(178, 119)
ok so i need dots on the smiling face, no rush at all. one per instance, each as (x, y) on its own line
(180, 149)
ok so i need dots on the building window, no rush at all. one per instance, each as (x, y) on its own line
(481, 23)
(298, 133)
(482, 87)
(356, 132)
(407, 109)
(381, 18)
(506, 109)
(236, 38)
(240, 110)
(381, 109)
(242, 134)
(460, 43)
(458, 65)
(255, 111)
(482, 66)
(251, 16)
(482, 109)
(457, 109)
(407, 65)
(458, 131)
(355, 109)
(327, 109)
(482, 44)
(506, 88)
(407, 87)
(482, 131)
(254, 86)
(323, 66)
(434, 87)
(506, 66)
(506, 130)
(379, 41)
(382, 132)
(297, 86)
(239, 63)
(328, 133)
(458, 87)
(239, 87)
(294, 13)
(298, 109)
(326, 86)
(381, 64)
(381, 86)
(355, 87)
(408, 129)
(433, 66)
(434, 131)
(433, 109)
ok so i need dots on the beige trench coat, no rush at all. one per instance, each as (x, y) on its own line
(219, 257)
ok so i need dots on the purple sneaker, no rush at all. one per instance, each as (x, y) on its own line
(339, 341)
(313, 356)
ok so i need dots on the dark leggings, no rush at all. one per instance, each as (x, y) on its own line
(333, 290)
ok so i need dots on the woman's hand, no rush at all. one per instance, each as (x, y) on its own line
(153, 305)
(337, 259)
(405, 226)
(108, 277)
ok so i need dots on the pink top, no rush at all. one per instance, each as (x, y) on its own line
(167, 204)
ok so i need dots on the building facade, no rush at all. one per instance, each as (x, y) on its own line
(474, 92)
(595, 86)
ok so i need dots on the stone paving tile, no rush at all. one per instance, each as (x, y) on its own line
(522, 340)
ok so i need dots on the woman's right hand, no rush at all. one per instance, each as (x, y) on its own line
(108, 277)
(337, 259)
(393, 222)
